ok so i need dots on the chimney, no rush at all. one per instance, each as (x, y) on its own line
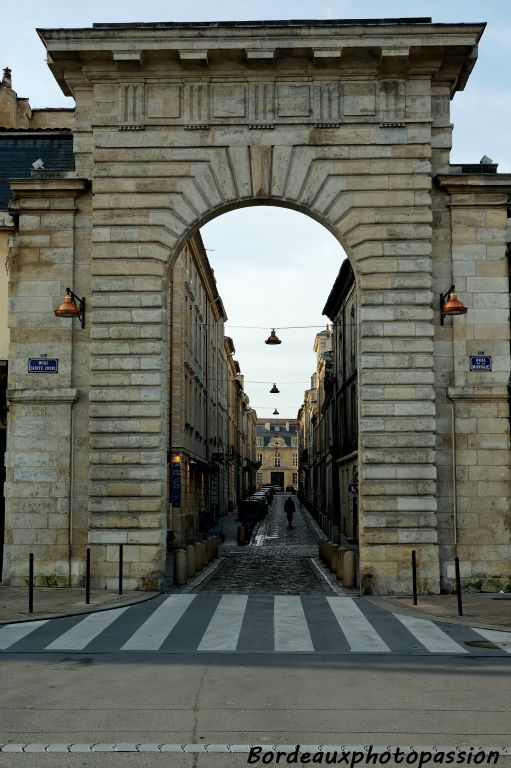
(14, 112)
(6, 79)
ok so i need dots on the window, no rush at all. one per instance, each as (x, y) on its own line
(260, 457)
(277, 429)
(295, 459)
(295, 478)
(293, 442)
(259, 442)
(259, 478)
(353, 334)
(277, 460)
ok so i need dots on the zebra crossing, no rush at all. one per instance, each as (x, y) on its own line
(236, 623)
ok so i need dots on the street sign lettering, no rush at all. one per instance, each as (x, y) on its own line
(480, 363)
(43, 365)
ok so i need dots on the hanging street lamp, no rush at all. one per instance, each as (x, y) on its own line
(274, 390)
(275, 412)
(273, 338)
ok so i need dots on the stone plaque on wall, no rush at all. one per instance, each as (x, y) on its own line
(293, 100)
(229, 100)
(358, 98)
(163, 100)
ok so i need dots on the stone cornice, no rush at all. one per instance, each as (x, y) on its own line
(69, 186)
(446, 52)
(37, 396)
(45, 194)
(478, 394)
(489, 183)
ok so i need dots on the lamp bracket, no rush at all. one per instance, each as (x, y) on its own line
(443, 297)
(81, 304)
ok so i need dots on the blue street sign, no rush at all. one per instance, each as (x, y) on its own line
(176, 484)
(480, 363)
(43, 365)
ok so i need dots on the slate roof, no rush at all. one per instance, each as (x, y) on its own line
(20, 148)
(282, 432)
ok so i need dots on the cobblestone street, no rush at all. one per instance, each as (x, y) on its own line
(277, 563)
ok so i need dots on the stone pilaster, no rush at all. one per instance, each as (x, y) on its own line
(39, 488)
(476, 416)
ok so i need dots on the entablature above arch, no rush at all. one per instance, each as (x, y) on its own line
(376, 49)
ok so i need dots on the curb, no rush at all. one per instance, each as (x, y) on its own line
(99, 609)
(459, 621)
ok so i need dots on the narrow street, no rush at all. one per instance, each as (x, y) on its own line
(277, 563)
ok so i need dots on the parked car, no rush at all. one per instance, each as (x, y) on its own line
(290, 489)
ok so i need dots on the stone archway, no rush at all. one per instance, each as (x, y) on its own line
(175, 124)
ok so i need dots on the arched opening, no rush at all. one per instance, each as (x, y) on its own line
(242, 275)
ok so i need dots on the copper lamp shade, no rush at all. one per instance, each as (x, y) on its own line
(275, 412)
(68, 308)
(450, 304)
(274, 390)
(273, 338)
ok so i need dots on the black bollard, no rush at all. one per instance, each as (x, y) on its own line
(414, 576)
(458, 586)
(87, 578)
(120, 568)
(31, 583)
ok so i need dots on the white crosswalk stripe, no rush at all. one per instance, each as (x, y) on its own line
(429, 635)
(155, 630)
(237, 623)
(501, 639)
(14, 632)
(83, 633)
(291, 629)
(359, 632)
(224, 628)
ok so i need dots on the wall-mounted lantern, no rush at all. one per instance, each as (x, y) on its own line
(450, 305)
(69, 307)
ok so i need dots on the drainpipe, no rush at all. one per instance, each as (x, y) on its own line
(508, 254)
(71, 495)
(454, 487)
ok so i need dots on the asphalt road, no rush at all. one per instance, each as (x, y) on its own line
(88, 689)
(287, 699)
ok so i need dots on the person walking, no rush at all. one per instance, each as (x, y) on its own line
(289, 509)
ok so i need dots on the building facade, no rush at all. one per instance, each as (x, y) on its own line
(306, 443)
(276, 446)
(198, 395)
(342, 405)
(348, 122)
(27, 136)
(240, 429)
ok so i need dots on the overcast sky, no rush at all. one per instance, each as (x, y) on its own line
(276, 267)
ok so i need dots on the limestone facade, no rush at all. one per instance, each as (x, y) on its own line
(198, 394)
(210, 438)
(306, 441)
(276, 443)
(341, 406)
(241, 419)
(176, 123)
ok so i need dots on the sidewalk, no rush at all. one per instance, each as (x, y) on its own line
(50, 602)
(490, 611)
